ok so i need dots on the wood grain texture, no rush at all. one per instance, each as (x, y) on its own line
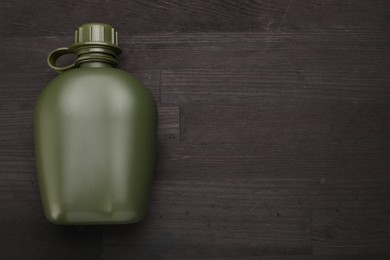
(349, 217)
(139, 17)
(203, 216)
(274, 128)
(272, 84)
(24, 233)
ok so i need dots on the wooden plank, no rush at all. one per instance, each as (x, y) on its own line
(192, 16)
(16, 129)
(218, 207)
(305, 257)
(339, 38)
(273, 83)
(315, 15)
(169, 124)
(317, 124)
(17, 164)
(146, 17)
(352, 257)
(275, 257)
(340, 49)
(301, 152)
(351, 213)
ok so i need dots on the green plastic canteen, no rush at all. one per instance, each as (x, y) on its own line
(95, 134)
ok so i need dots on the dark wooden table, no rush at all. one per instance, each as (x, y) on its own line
(274, 128)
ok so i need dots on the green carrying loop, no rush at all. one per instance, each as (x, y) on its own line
(93, 42)
(54, 55)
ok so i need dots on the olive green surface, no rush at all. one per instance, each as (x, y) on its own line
(95, 140)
